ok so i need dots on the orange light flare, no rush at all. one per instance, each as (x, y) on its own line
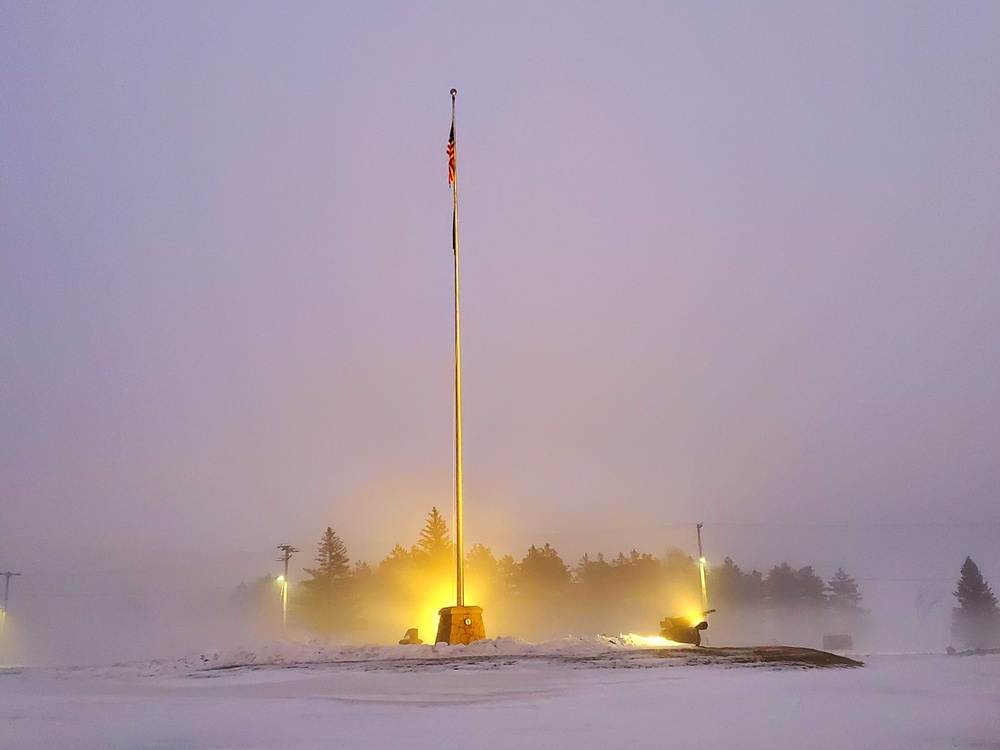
(648, 641)
(438, 596)
(692, 614)
(435, 598)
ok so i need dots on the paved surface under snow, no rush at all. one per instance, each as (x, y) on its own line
(537, 698)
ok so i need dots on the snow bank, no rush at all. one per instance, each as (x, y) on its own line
(298, 653)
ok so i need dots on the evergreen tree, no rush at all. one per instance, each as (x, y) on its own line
(362, 572)
(740, 598)
(398, 558)
(333, 562)
(329, 601)
(635, 582)
(843, 594)
(754, 588)
(507, 570)
(484, 581)
(542, 573)
(482, 568)
(730, 586)
(796, 588)
(395, 574)
(594, 576)
(433, 556)
(594, 587)
(392, 585)
(976, 621)
(811, 589)
(638, 569)
(781, 589)
(679, 567)
(434, 543)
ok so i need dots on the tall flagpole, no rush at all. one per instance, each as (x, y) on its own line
(461, 623)
(459, 549)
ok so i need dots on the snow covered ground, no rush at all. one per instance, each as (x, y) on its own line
(499, 694)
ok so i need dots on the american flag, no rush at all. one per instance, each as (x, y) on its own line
(451, 155)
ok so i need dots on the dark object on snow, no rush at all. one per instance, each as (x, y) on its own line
(410, 638)
(838, 643)
(973, 652)
(684, 629)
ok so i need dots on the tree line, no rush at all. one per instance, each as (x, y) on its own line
(541, 596)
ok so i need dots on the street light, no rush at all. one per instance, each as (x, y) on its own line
(701, 567)
(702, 562)
(287, 551)
(284, 602)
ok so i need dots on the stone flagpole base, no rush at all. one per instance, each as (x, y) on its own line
(460, 625)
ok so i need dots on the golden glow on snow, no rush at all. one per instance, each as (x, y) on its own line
(634, 639)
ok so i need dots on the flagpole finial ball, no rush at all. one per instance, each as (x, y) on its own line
(453, 92)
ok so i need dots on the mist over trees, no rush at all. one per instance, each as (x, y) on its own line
(976, 619)
(329, 600)
(541, 595)
(782, 605)
(258, 600)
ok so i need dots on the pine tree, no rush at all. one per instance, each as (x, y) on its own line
(481, 565)
(810, 587)
(843, 594)
(542, 573)
(329, 600)
(435, 541)
(393, 578)
(781, 585)
(976, 621)
(333, 561)
(753, 588)
(637, 575)
(731, 586)
(507, 572)
(678, 566)
(789, 587)
(594, 576)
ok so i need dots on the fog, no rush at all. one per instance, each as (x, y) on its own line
(732, 266)
(106, 605)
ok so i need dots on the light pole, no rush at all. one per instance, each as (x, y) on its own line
(3, 613)
(287, 551)
(283, 580)
(701, 567)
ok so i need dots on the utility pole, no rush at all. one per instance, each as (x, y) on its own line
(287, 551)
(3, 613)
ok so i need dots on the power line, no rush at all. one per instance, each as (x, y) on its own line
(887, 525)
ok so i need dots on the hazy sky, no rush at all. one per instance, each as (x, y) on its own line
(733, 263)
